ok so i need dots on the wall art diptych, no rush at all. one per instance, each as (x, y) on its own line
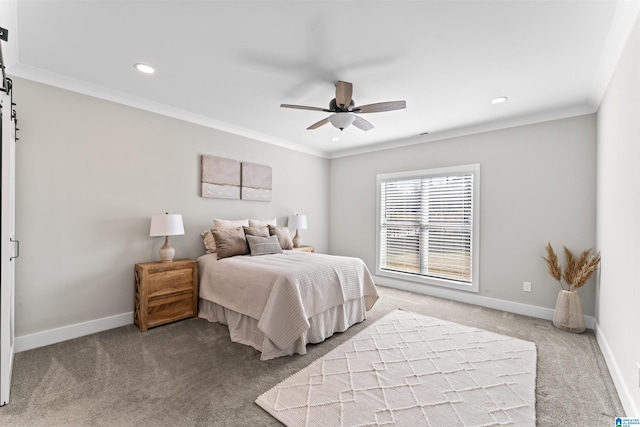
(231, 179)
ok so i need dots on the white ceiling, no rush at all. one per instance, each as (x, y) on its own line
(230, 64)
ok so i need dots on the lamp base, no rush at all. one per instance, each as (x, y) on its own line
(166, 251)
(296, 240)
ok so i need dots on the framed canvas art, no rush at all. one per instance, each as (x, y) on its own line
(220, 178)
(256, 182)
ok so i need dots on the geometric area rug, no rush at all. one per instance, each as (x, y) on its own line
(408, 369)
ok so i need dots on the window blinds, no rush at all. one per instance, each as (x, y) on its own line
(427, 226)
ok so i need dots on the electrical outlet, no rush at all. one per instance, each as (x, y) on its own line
(526, 286)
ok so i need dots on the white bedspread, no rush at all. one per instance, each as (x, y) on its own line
(282, 291)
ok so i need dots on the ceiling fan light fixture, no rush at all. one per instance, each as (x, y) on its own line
(342, 120)
(343, 107)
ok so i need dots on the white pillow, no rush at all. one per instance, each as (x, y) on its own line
(221, 224)
(262, 222)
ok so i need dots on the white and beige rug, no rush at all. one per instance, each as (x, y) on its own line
(412, 370)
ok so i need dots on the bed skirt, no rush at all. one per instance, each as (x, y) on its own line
(244, 329)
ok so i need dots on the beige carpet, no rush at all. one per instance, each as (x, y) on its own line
(189, 373)
(407, 369)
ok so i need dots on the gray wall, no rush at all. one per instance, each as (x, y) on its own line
(618, 223)
(537, 185)
(90, 173)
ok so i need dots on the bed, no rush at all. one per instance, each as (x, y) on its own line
(278, 303)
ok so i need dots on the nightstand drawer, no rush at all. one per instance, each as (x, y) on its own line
(167, 309)
(168, 282)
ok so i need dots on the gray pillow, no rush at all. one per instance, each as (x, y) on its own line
(230, 242)
(284, 237)
(256, 231)
(264, 245)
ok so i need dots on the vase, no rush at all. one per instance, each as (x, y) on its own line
(569, 316)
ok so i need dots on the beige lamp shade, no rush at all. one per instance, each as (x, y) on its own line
(166, 225)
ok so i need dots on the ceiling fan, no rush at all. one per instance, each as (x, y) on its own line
(345, 111)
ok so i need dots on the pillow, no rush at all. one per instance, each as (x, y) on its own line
(261, 222)
(256, 231)
(264, 245)
(209, 241)
(219, 224)
(284, 237)
(230, 242)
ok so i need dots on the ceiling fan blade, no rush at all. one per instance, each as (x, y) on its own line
(380, 107)
(344, 90)
(304, 107)
(318, 124)
(362, 124)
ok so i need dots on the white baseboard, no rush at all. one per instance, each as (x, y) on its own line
(623, 391)
(475, 299)
(52, 336)
(40, 339)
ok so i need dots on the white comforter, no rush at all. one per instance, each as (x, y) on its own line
(282, 291)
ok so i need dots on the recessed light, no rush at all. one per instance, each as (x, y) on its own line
(335, 138)
(144, 68)
(499, 100)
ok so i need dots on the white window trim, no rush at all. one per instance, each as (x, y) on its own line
(474, 169)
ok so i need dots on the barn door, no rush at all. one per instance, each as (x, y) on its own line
(9, 246)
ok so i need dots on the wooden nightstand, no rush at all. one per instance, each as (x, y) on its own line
(165, 292)
(304, 248)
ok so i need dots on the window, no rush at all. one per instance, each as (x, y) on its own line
(428, 226)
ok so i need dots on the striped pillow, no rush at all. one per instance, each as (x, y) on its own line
(264, 245)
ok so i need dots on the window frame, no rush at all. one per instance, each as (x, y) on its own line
(474, 170)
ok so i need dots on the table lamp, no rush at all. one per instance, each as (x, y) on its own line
(299, 222)
(166, 225)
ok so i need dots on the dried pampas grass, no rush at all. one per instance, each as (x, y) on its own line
(577, 271)
(552, 263)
